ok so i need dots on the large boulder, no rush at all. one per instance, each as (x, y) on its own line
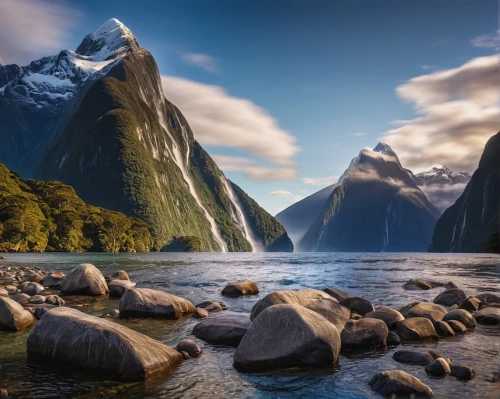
(118, 287)
(461, 315)
(314, 300)
(68, 335)
(358, 305)
(32, 289)
(227, 328)
(240, 288)
(398, 382)
(415, 329)
(438, 367)
(428, 310)
(145, 302)
(450, 297)
(387, 315)
(85, 279)
(488, 316)
(339, 295)
(286, 336)
(13, 317)
(364, 333)
(412, 357)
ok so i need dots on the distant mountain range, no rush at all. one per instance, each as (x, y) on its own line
(97, 119)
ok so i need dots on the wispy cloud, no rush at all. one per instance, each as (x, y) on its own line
(358, 134)
(429, 67)
(253, 171)
(490, 40)
(320, 181)
(30, 29)
(441, 42)
(204, 61)
(442, 196)
(282, 194)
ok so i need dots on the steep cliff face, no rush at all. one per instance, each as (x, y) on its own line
(378, 207)
(472, 224)
(123, 146)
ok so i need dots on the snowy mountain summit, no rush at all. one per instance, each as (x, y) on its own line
(440, 174)
(384, 149)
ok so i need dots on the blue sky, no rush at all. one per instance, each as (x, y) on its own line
(326, 71)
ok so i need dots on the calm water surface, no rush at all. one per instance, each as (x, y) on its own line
(198, 277)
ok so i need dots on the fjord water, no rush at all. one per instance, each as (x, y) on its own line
(201, 276)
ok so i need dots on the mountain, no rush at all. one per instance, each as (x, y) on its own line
(376, 207)
(441, 175)
(472, 224)
(107, 129)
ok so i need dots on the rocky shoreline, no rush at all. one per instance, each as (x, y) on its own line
(284, 329)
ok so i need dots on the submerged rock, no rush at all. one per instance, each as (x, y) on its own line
(85, 279)
(225, 328)
(145, 302)
(365, 333)
(339, 295)
(415, 329)
(190, 347)
(461, 315)
(358, 305)
(412, 357)
(430, 311)
(451, 296)
(286, 336)
(13, 317)
(438, 367)
(488, 316)
(240, 288)
(417, 284)
(68, 335)
(398, 382)
(387, 315)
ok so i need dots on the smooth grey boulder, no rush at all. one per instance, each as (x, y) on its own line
(287, 336)
(415, 329)
(393, 339)
(190, 347)
(339, 295)
(225, 328)
(13, 317)
(32, 289)
(462, 372)
(428, 310)
(68, 335)
(55, 300)
(387, 315)
(240, 288)
(489, 297)
(118, 287)
(358, 305)
(461, 315)
(145, 302)
(471, 304)
(120, 275)
(52, 279)
(456, 326)
(489, 316)
(398, 382)
(212, 306)
(315, 300)
(85, 279)
(37, 299)
(412, 357)
(451, 296)
(443, 329)
(438, 367)
(364, 333)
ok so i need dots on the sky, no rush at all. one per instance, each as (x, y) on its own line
(283, 94)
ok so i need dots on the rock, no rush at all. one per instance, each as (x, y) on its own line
(115, 313)
(365, 333)
(393, 339)
(190, 347)
(85, 279)
(118, 287)
(443, 329)
(430, 311)
(398, 382)
(462, 372)
(471, 304)
(489, 297)
(456, 326)
(305, 338)
(494, 378)
(37, 299)
(120, 275)
(387, 315)
(212, 306)
(412, 357)
(315, 300)
(438, 367)
(450, 284)
(54, 300)
(225, 328)
(32, 289)
(185, 355)
(68, 335)
(35, 278)
(4, 292)
(4, 394)
(415, 329)
(488, 316)
(461, 315)
(358, 305)
(240, 288)
(200, 313)
(339, 295)
(450, 297)
(11, 288)
(145, 302)
(52, 279)
(417, 284)
(435, 354)
(13, 317)
(355, 316)
(40, 311)
(19, 297)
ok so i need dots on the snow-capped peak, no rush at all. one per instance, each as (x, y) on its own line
(384, 149)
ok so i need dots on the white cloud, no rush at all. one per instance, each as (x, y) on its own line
(457, 112)
(282, 194)
(359, 134)
(252, 171)
(320, 181)
(442, 196)
(201, 60)
(491, 40)
(30, 29)
(428, 67)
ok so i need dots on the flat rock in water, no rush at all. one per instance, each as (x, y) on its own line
(417, 284)
(145, 302)
(68, 335)
(438, 367)
(212, 306)
(443, 329)
(118, 287)
(413, 357)
(85, 279)
(488, 316)
(358, 305)
(315, 300)
(462, 372)
(461, 315)
(339, 295)
(416, 329)
(451, 296)
(364, 334)
(288, 336)
(13, 317)
(240, 288)
(387, 315)
(225, 328)
(428, 310)
(398, 382)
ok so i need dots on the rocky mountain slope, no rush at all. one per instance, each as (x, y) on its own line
(107, 129)
(472, 224)
(440, 175)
